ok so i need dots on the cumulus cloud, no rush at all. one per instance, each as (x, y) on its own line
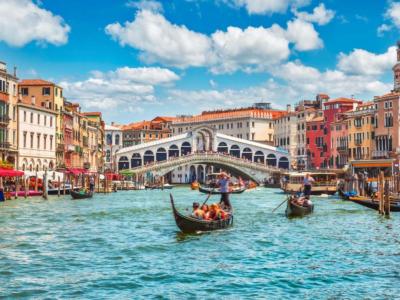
(362, 62)
(250, 49)
(320, 15)
(123, 88)
(267, 6)
(393, 13)
(146, 5)
(23, 21)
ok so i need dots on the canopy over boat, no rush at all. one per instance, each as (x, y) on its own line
(10, 173)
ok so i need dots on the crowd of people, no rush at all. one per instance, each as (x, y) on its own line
(211, 212)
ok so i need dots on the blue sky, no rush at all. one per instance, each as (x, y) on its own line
(136, 59)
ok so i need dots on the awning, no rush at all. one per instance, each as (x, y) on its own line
(10, 173)
(76, 171)
(113, 176)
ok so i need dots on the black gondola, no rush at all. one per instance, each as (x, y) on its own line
(216, 191)
(294, 210)
(77, 195)
(188, 224)
(394, 206)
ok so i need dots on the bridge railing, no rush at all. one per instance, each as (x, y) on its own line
(209, 156)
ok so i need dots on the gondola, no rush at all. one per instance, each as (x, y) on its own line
(77, 195)
(216, 191)
(187, 224)
(294, 210)
(346, 195)
(394, 206)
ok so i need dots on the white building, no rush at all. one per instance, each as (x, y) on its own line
(36, 138)
(113, 142)
(286, 132)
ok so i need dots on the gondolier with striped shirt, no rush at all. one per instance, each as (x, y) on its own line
(223, 183)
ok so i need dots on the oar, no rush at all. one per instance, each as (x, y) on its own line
(208, 197)
(280, 205)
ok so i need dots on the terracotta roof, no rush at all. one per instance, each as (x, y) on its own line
(323, 95)
(165, 119)
(316, 119)
(234, 113)
(35, 82)
(391, 94)
(342, 100)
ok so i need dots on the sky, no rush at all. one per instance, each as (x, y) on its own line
(137, 59)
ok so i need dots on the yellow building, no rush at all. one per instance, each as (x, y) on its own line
(360, 123)
(95, 129)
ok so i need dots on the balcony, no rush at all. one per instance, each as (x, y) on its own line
(358, 142)
(70, 148)
(60, 147)
(380, 154)
(4, 120)
(5, 146)
(342, 149)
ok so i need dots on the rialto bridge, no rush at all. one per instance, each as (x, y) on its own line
(200, 149)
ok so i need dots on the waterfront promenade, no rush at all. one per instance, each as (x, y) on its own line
(126, 245)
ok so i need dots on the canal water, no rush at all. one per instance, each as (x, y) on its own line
(126, 246)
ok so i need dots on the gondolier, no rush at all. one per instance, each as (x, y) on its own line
(223, 183)
(307, 184)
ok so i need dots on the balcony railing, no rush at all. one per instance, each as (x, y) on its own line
(5, 146)
(380, 154)
(342, 149)
(357, 142)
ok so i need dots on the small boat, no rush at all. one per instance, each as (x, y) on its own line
(272, 185)
(374, 204)
(295, 210)
(78, 195)
(216, 191)
(194, 185)
(325, 183)
(188, 224)
(166, 186)
(346, 195)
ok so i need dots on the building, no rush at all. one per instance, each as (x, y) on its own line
(361, 131)
(285, 132)
(65, 161)
(8, 115)
(316, 146)
(45, 94)
(95, 142)
(254, 123)
(112, 143)
(146, 131)
(36, 137)
(339, 142)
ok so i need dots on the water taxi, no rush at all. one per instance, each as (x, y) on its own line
(325, 183)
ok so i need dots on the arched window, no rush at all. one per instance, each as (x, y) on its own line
(123, 163)
(109, 139)
(173, 151)
(283, 163)
(186, 148)
(148, 157)
(271, 160)
(117, 139)
(161, 154)
(108, 155)
(259, 157)
(222, 147)
(247, 154)
(136, 160)
(235, 151)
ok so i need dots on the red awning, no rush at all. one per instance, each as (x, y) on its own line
(10, 173)
(76, 171)
(113, 176)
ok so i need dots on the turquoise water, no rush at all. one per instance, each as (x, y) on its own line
(126, 246)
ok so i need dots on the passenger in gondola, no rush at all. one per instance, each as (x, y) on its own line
(307, 202)
(223, 183)
(307, 185)
(197, 212)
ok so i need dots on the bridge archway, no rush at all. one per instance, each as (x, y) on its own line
(173, 151)
(222, 147)
(123, 163)
(235, 151)
(259, 157)
(207, 134)
(200, 173)
(186, 148)
(136, 160)
(283, 163)
(271, 160)
(148, 157)
(247, 153)
(161, 154)
(192, 173)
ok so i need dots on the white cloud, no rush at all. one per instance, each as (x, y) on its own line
(250, 49)
(213, 83)
(159, 40)
(362, 62)
(320, 15)
(146, 5)
(304, 35)
(123, 88)
(267, 6)
(393, 13)
(383, 28)
(23, 21)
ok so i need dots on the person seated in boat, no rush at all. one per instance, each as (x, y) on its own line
(197, 212)
(215, 213)
(307, 202)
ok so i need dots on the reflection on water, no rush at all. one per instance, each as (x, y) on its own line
(126, 245)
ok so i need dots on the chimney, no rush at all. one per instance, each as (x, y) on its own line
(33, 100)
(288, 108)
(15, 71)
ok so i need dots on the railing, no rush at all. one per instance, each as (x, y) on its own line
(342, 149)
(357, 142)
(380, 154)
(4, 120)
(5, 145)
(206, 157)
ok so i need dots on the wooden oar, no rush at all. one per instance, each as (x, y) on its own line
(280, 204)
(208, 197)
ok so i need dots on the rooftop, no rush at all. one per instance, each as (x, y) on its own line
(343, 100)
(38, 82)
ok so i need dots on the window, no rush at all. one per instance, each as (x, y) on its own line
(38, 119)
(51, 121)
(44, 141)
(31, 117)
(14, 113)
(38, 141)
(51, 142)
(24, 138)
(117, 139)
(24, 116)
(45, 120)
(252, 124)
(31, 140)
(56, 91)
(24, 91)
(46, 91)
(388, 119)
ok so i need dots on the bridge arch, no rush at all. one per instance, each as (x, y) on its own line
(148, 157)
(247, 153)
(271, 160)
(161, 154)
(173, 151)
(235, 151)
(208, 134)
(123, 163)
(283, 162)
(222, 147)
(186, 148)
(136, 160)
(259, 157)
